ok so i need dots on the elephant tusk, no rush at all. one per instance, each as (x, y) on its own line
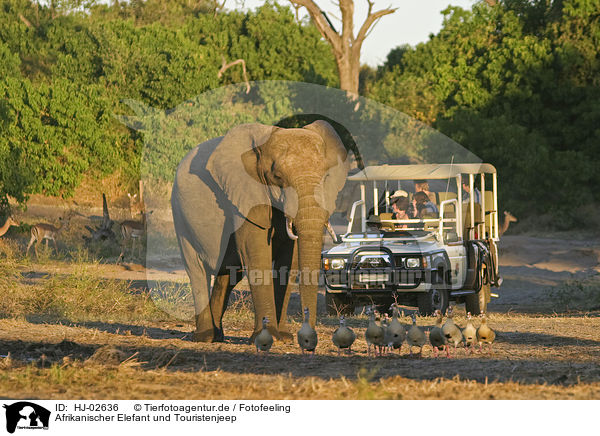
(288, 228)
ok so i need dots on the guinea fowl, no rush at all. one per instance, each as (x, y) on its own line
(307, 336)
(451, 332)
(470, 333)
(416, 336)
(374, 334)
(396, 333)
(436, 336)
(485, 335)
(264, 339)
(343, 337)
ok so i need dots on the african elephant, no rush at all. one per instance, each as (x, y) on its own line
(234, 201)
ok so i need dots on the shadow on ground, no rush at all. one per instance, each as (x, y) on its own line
(497, 366)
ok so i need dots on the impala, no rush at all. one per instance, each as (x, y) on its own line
(132, 231)
(48, 232)
(10, 221)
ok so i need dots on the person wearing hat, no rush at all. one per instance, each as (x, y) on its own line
(399, 193)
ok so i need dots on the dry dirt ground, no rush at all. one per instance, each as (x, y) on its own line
(541, 351)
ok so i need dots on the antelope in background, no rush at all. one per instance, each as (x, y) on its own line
(47, 232)
(132, 231)
(508, 218)
(10, 221)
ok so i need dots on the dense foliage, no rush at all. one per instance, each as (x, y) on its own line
(519, 85)
(65, 70)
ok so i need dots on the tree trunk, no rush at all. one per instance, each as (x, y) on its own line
(345, 46)
(348, 69)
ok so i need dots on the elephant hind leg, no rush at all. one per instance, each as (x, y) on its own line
(206, 330)
(222, 288)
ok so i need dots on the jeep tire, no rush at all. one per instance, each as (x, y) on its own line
(434, 299)
(477, 303)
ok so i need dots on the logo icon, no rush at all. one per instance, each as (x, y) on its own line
(26, 415)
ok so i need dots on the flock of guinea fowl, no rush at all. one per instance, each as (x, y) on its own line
(391, 334)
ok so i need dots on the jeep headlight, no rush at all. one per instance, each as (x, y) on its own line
(336, 264)
(413, 262)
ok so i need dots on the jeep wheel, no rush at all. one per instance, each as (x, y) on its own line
(429, 302)
(341, 302)
(477, 303)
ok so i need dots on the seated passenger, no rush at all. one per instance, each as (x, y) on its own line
(422, 206)
(398, 193)
(400, 211)
(466, 189)
(423, 186)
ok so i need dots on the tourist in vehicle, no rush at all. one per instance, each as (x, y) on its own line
(422, 206)
(400, 211)
(423, 186)
(467, 189)
(398, 193)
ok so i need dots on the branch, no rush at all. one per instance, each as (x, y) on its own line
(225, 66)
(297, 11)
(491, 2)
(328, 21)
(322, 25)
(25, 21)
(371, 20)
(347, 9)
(218, 7)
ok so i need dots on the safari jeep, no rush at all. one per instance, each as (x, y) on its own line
(425, 262)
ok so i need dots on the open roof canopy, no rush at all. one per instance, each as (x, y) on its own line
(426, 171)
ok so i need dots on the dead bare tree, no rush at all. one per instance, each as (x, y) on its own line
(226, 66)
(346, 45)
(104, 230)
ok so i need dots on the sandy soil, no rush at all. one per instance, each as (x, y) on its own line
(537, 346)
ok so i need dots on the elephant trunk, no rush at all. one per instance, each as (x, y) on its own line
(309, 223)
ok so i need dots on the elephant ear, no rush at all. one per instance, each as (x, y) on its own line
(337, 162)
(234, 164)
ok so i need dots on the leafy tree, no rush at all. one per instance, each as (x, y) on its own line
(67, 65)
(516, 83)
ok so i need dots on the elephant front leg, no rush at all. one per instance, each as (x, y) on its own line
(260, 277)
(284, 327)
(255, 248)
(285, 274)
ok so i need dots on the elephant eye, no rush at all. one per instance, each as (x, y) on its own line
(278, 176)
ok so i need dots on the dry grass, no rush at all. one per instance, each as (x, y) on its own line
(81, 295)
(99, 382)
(534, 358)
(78, 334)
(577, 294)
